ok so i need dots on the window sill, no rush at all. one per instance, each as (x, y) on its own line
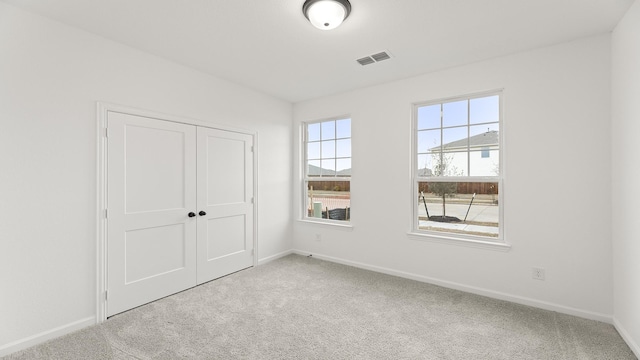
(443, 239)
(336, 224)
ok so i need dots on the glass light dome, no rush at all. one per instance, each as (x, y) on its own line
(326, 14)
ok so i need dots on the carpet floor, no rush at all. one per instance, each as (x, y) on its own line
(303, 308)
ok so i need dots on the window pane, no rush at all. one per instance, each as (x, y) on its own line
(343, 148)
(313, 132)
(484, 163)
(454, 113)
(343, 128)
(451, 164)
(313, 150)
(452, 207)
(343, 167)
(313, 168)
(329, 200)
(428, 140)
(328, 130)
(483, 129)
(483, 151)
(328, 149)
(429, 117)
(328, 167)
(425, 165)
(484, 109)
(455, 138)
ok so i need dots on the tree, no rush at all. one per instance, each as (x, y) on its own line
(443, 167)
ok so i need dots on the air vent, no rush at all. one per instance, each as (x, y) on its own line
(365, 61)
(380, 56)
(374, 58)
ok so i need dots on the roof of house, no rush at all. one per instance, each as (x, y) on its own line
(485, 139)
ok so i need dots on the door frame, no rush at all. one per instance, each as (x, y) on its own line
(102, 110)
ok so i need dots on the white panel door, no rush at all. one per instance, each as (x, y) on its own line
(225, 203)
(151, 189)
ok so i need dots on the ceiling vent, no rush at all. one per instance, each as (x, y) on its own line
(380, 56)
(365, 60)
(374, 58)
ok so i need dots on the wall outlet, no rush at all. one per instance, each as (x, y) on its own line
(537, 273)
(318, 237)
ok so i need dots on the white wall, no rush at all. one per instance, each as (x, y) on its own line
(51, 76)
(626, 173)
(557, 180)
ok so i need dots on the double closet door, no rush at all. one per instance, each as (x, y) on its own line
(179, 207)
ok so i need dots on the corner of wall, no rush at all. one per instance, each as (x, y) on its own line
(626, 337)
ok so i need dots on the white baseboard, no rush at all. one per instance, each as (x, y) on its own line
(274, 257)
(470, 289)
(27, 342)
(627, 338)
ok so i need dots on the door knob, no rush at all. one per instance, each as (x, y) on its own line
(202, 213)
(192, 214)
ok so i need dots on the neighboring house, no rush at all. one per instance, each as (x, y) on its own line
(474, 156)
(318, 171)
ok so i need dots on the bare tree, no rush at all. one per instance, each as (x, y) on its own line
(443, 167)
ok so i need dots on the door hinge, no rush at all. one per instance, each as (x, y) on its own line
(106, 213)
(253, 252)
(252, 149)
(106, 132)
(252, 200)
(106, 295)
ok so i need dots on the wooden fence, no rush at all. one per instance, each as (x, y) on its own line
(330, 185)
(488, 188)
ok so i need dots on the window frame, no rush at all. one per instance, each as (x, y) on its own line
(306, 178)
(497, 243)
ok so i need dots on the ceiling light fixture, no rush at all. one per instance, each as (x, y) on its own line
(326, 14)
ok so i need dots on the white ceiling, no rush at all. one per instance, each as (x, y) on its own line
(268, 45)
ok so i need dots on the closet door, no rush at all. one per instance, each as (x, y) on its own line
(151, 191)
(225, 203)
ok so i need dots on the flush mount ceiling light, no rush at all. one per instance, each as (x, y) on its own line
(326, 14)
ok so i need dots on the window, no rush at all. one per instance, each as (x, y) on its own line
(327, 170)
(456, 167)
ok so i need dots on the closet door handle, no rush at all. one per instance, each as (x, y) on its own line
(202, 213)
(192, 214)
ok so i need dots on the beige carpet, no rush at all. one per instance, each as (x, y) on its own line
(303, 308)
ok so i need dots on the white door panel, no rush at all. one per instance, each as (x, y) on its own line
(154, 154)
(226, 168)
(151, 189)
(225, 193)
(229, 228)
(143, 246)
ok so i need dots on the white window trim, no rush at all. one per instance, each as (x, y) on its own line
(303, 186)
(498, 243)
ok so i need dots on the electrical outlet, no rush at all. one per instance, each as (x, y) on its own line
(537, 273)
(318, 237)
